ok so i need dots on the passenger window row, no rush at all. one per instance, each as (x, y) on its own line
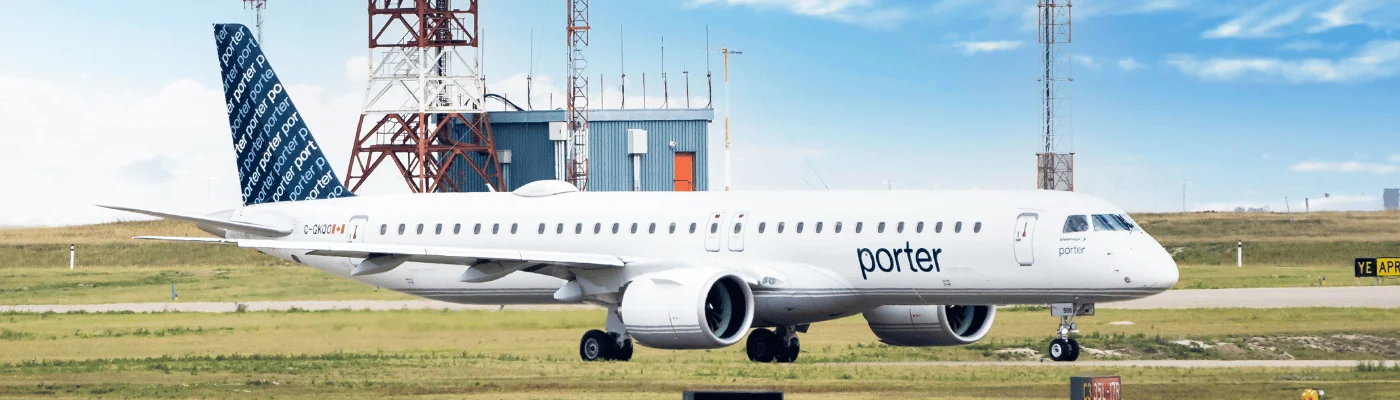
(860, 227)
(495, 228)
(635, 227)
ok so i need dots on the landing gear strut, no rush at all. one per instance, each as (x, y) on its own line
(613, 345)
(768, 346)
(1064, 347)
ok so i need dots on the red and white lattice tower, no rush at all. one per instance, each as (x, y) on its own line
(424, 60)
(577, 109)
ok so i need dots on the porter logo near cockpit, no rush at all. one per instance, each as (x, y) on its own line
(888, 260)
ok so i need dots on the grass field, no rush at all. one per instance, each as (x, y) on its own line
(480, 355)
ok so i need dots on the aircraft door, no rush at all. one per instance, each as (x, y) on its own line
(736, 232)
(1025, 238)
(356, 230)
(712, 231)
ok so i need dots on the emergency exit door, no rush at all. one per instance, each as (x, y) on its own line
(355, 231)
(1025, 238)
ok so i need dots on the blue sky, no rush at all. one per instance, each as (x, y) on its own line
(1248, 101)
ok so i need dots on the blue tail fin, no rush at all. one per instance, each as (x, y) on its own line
(278, 160)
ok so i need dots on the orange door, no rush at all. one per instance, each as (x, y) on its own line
(685, 172)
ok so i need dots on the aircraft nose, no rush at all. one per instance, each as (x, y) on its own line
(1162, 269)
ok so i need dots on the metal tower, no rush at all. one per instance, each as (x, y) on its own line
(1054, 169)
(577, 109)
(424, 105)
(258, 6)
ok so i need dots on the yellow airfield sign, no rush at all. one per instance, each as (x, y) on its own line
(1377, 267)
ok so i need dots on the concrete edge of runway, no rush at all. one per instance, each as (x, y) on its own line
(305, 305)
(1132, 363)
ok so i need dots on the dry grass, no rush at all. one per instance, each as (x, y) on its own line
(1272, 227)
(112, 232)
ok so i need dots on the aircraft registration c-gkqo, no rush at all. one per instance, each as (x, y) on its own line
(682, 270)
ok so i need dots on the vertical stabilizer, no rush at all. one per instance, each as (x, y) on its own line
(278, 160)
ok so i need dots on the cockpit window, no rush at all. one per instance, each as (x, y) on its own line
(1126, 221)
(1111, 222)
(1076, 223)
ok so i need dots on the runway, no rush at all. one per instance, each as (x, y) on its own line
(1354, 296)
(1345, 296)
(1130, 363)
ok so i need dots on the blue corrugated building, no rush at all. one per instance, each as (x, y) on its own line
(675, 155)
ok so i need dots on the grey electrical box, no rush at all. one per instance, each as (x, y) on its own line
(636, 141)
(503, 156)
(558, 131)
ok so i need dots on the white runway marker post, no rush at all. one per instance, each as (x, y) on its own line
(1239, 254)
(72, 256)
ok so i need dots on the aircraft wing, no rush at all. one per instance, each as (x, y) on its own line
(485, 264)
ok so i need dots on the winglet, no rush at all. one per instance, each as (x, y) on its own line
(245, 227)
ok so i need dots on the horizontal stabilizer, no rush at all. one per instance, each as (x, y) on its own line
(245, 227)
(187, 239)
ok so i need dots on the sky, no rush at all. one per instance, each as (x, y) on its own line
(1174, 104)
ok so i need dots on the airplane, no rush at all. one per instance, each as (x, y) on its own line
(676, 270)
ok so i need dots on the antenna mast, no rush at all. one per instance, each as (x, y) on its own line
(1054, 170)
(258, 6)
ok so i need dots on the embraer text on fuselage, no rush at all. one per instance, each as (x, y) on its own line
(897, 258)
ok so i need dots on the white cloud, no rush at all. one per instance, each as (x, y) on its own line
(1348, 166)
(1310, 45)
(1086, 61)
(1343, 14)
(357, 69)
(870, 13)
(1262, 21)
(1395, 158)
(1130, 64)
(167, 148)
(1378, 59)
(970, 48)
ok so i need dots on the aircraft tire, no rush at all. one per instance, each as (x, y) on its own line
(625, 352)
(790, 351)
(762, 345)
(596, 346)
(1059, 350)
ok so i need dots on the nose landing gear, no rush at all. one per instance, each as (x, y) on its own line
(1064, 347)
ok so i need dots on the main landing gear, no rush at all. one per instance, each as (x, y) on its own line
(613, 345)
(1064, 347)
(768, 346)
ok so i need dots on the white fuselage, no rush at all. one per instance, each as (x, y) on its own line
(892, 248)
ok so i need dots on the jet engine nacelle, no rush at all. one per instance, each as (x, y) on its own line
(930, 325)
(687, 308)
